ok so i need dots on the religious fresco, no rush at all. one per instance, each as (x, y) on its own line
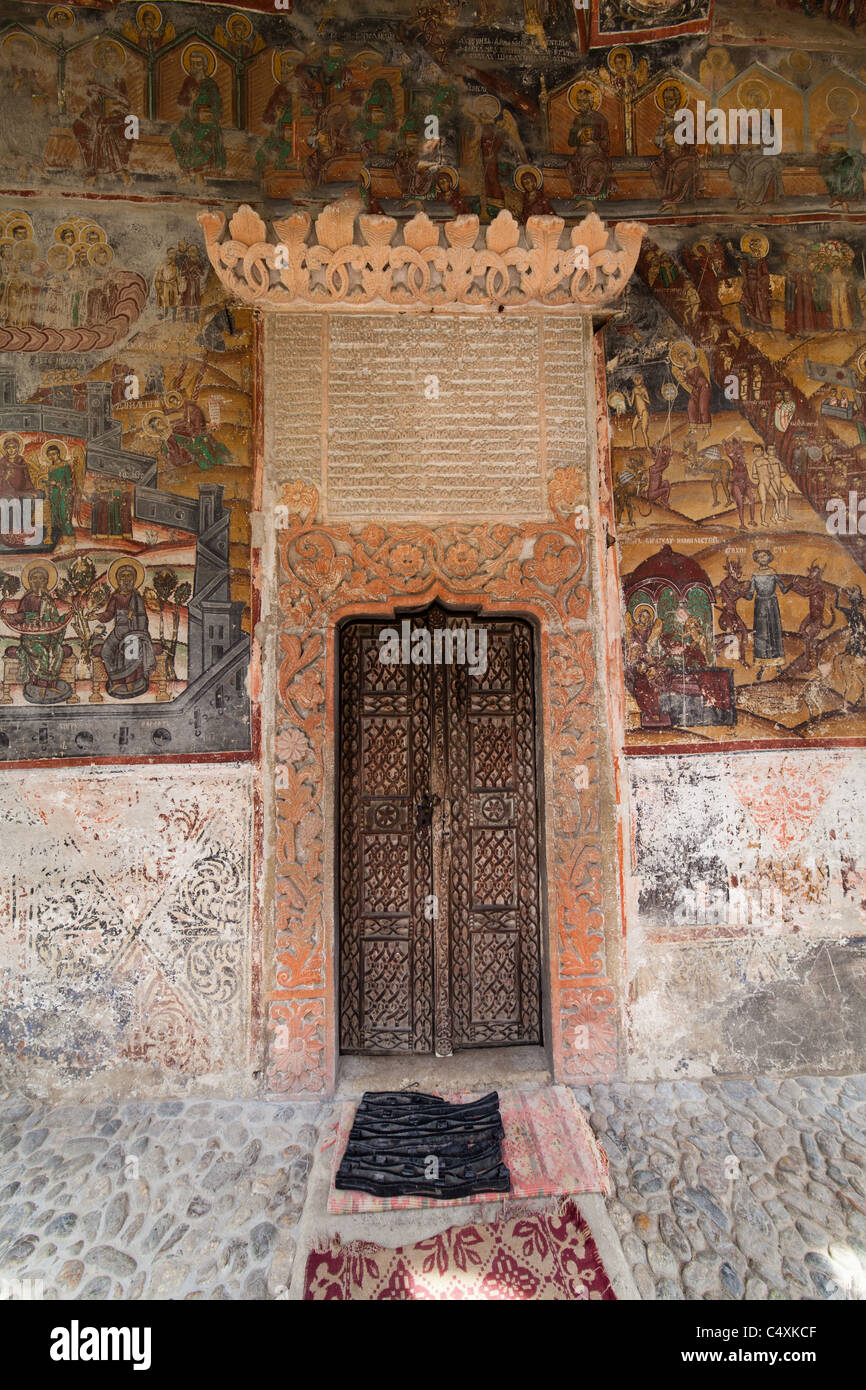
(446, 107)
(125, 489)
(737, 400)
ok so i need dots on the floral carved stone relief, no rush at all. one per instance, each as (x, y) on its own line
(477, 267)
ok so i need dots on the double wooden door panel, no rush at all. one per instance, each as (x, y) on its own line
(438, 826)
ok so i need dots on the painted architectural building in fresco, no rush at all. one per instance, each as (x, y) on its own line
(318, 322)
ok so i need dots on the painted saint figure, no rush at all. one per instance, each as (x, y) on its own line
(756, 176)
(801, 311)
(41, 651)
(14, 474)
(197, 140)
(279, 149)
(675, 169)
(767, 636)
(100, 128)
(692, 371)
(752, 258)
(531, 184)
(841, 146)
(60, 486)
(589, 167)
(167, 283)
(127, 652)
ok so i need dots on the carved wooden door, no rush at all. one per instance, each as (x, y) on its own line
(438, 868)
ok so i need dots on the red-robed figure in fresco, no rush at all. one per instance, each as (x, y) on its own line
(14, 475)
(802, 314)
(755, 270)
(100, 128)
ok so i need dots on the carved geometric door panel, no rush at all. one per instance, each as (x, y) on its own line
(438, 881)
(386, 941)
(494, 894)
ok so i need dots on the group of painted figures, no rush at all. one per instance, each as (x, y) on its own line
(661, 650)
(69, 284)
(41, 616)
(306, 108)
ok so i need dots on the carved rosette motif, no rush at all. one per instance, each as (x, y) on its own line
(461, 265)
(329, 572)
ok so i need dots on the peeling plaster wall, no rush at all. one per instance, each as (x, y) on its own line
(128, 959)
(746, 941)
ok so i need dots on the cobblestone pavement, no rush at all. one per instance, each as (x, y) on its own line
(153, 1199)
(724, 1190)
(738, 1189)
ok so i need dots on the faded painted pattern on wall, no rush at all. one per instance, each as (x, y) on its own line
(753, 954)
(127, 954)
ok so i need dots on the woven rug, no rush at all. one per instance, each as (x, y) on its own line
(533, 1257)
(549, 1149)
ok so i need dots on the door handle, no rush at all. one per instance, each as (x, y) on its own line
(424, 810)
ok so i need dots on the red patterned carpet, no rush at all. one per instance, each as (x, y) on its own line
(534, 1256)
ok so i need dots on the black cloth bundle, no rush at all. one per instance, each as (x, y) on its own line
(407, 1144)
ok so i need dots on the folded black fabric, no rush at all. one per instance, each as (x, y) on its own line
(408, 1144)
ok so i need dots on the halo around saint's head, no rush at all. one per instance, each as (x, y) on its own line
(21, 40)
(682, 95)
(61, 17)
(643, 608)
(523, 169)
(621, 48)
(293, 54)
(40, 563)
(449, 173)
(125, 562)
(191, 48)
(155, 426)
(683, 353)
(754, 243)
(240, 22)
(841, 101)
(577, 87)
(753, 92)
(60, 257)
(58, 444)
(148, 10)
(16, 222)
(107, 53)
(486, 107)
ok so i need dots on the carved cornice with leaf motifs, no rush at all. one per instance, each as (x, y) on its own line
(420, 265)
